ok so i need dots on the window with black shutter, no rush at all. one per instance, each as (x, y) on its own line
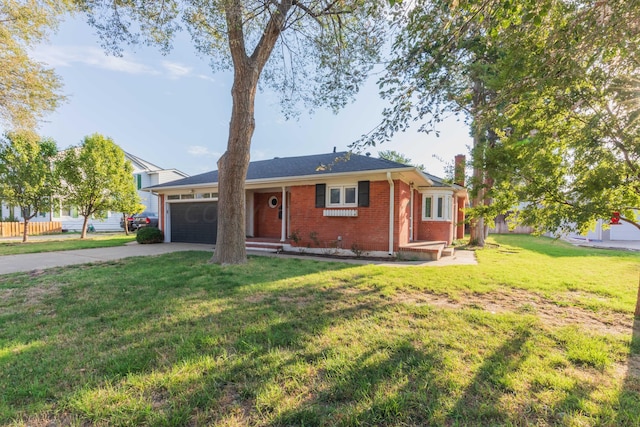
(321, 190)
(363, 194)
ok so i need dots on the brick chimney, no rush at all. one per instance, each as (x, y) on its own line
(459, 169)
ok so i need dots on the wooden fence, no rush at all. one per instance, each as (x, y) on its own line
(15, 229)
(501, 226)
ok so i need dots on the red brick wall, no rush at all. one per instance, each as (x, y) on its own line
(369, 230)
(433, 230)
(417, 214)
(266, 221)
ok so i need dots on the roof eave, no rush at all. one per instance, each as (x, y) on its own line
(295, 179)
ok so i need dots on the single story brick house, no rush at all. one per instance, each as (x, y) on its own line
(336, 200)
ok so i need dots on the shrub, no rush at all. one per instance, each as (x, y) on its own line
(357, 250)
(295, 237)
(149, 235)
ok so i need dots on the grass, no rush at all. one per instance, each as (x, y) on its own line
(539, 333)
(64, 243)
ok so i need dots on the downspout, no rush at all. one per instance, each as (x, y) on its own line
(391, 203)
(411, 214)
(283, 236)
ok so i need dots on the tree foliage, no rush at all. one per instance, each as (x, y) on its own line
(313, 53)
(97, 178)
(571, 149)
(27, 88)
(27, 174)
(397, 157)
(446, 62)
(548, 88)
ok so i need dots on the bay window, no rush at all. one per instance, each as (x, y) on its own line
(437, 206)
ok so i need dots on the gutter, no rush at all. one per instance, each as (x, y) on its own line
(391, 203)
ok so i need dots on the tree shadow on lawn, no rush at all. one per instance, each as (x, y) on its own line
(273, 343)
(480, 404)
(80, 327)
(629, 398)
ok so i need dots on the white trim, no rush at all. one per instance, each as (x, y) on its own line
(411, 238)
(283, 235)
(437, 196)
(167, 220)
(340, 212)
(343, 195)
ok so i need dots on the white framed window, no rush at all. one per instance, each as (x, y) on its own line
(437, 207)
(69, 211)
(342, 195)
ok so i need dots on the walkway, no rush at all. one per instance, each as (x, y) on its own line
(629, 245)
(39, 261)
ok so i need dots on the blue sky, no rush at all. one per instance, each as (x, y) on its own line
(174, 111)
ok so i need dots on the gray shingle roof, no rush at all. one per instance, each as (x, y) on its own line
(439, 182)
(288, 167)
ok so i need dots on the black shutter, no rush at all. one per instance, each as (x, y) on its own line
(321, 190)
(363, 194)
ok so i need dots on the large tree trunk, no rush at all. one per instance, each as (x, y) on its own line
(234, 163)
(477, 226)
(232, 171)
(483, 140)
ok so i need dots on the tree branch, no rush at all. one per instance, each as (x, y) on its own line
(270, 35)
(629, 221)
(233, 15)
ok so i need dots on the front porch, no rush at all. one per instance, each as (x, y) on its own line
(419, 250)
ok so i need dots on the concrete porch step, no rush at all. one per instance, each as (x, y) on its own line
(427, 250)
(264, 246)
(448, 251)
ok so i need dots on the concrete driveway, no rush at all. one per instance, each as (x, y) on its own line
(40, 261)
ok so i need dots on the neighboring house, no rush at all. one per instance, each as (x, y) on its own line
(623, 231)
(335, 201)
(145, 174)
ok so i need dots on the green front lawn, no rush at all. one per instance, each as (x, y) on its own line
(539, 333)
(65, 243)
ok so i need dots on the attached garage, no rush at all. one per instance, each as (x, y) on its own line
(194, 222)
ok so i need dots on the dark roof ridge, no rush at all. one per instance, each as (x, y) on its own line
(297, 166)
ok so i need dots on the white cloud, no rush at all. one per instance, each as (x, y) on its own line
(200, 151)
(176, 70)
(205, 77)
(66, 56)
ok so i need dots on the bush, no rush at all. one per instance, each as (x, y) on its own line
(149, 235)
